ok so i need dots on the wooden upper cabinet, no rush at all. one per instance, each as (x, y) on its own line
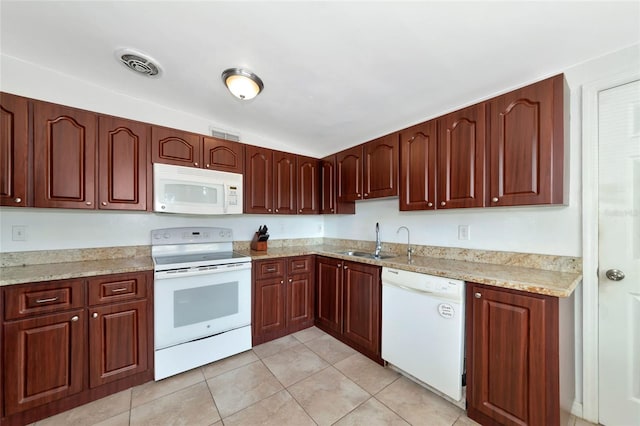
(349, 174)
(328, 197)
(224, 155)
(380, 174)
(122, 164)
(461, 151)
(418, 146)
(64, 156)
(14, 148)
(308, 198)
(171, 146)
(258, 180)
(285, 176)
(526, 148)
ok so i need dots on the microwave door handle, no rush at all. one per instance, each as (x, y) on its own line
(225, 197)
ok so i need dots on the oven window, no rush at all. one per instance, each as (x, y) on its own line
(181, 193)
(201, 304)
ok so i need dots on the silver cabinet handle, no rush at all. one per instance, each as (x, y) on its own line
(75, 318)
(615, 275)
(88, 203)
(429, 204)
(208, 165)
(300, 211)
(276, 210)
(478, 295)
(104, 203)
(271, 269)
(442, 203)
(119, 290)
(195, 164)
(290, 280)
(346, 267)
(95, 315)
(53, 299)
(366, 194)
(331, 210)
(268, 209)
(17, 200)
(494, 199)
(281, 281)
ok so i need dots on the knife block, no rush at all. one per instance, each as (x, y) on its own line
(258, 245)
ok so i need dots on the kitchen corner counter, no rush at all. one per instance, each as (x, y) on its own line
(557, 283)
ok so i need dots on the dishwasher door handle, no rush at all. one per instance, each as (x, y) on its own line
(414, 290)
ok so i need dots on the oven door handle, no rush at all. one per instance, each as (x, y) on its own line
(218, 269)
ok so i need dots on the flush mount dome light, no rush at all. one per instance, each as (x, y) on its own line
(139, 62)
(241, 83)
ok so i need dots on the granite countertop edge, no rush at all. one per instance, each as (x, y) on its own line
(532, 280)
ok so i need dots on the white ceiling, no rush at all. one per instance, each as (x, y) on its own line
(335, 73)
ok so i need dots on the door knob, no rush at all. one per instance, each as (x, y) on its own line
(615, 275)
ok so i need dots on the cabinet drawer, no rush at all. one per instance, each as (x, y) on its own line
(116, 288)
(269, 268)
(39, 298)
(300, 265)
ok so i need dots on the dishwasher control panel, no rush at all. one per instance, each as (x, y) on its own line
(438, 286)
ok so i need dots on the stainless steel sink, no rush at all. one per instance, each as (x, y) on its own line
(366, 255)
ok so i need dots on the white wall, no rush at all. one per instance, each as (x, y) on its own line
(49, 229)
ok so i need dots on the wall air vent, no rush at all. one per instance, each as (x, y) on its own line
(139, 62)
(221, 134)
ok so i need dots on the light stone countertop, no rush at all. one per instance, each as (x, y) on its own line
(518, 276)
(532, 280)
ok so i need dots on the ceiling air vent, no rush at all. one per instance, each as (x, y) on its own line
(139, 62)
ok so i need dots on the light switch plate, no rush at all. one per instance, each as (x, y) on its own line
(464, 232)
(19, 233)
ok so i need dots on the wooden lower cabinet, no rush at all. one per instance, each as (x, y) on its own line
(60, 351)
(44, 359)
(512, 357)
(283, 293)
(348, 303)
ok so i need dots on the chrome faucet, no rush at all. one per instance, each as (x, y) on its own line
(378, 242)
(409, 249)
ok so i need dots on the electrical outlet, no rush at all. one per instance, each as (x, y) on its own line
(19, 233)
(463, 232)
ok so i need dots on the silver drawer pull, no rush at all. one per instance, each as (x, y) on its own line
(75, 318)
(53, 299)
(271, 269)
(478, 295)
(119, 290)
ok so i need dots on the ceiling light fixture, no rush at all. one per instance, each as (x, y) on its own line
(241, 83)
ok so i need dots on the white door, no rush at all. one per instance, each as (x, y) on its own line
(619, 255)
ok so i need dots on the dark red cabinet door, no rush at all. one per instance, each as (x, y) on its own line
(362, 294)
(461, 148)
(418, 147)
(329, 293)
(14, 148)
(258, 180)
(526, 149)
(285, 183)
(44, 359)
(122, 164)
(64, 156)
(512, 357)
(349, 174)
(381, 167)
(308, 199)
(223, 155)
(171, 146)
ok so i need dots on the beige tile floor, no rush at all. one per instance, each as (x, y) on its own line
(308, 378)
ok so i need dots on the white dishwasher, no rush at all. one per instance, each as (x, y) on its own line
(423, 328)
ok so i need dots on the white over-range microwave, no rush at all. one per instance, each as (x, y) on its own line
(187, 190)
